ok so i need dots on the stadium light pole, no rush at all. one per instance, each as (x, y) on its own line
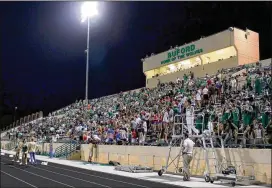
(14, 116)
(88, 10)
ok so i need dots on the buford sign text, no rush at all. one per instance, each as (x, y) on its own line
(181, 53)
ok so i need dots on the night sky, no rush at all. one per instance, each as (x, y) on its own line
(42, 45)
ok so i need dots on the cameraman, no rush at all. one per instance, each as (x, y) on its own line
(187, 155)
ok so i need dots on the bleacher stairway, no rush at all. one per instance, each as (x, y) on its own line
(67, 150)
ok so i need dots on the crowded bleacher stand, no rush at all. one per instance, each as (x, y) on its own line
(234, 104)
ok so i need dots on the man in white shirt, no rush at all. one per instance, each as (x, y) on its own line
(187, 154)
(233, 84)
(145, 131)
(190, 118)
(205, 92)
(166, 117)
(178, 80)
(138, 120)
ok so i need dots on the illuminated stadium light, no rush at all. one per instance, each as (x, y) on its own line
(88, 10)
(219, 52)
(186, 62)
(172, 67)
(179, 65)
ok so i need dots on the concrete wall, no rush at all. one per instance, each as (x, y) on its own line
(208, 44)
(245, 160)
(199, 71)
(247, 46)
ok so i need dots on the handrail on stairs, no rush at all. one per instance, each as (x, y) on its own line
(65, 150)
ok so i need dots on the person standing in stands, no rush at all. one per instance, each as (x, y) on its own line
(205, 93)
(187, 155)
(32, 149)
(258, 85)
(190, 117)
(24, 153)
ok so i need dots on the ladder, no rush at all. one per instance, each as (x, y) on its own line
(179, 128)
(208, 141)
(208, 147)
(177, 140)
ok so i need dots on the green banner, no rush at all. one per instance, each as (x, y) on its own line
(182, 53)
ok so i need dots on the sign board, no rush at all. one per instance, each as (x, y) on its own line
(181, 53)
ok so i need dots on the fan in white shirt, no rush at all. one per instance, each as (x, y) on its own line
(178, 80)
(166, 117)
(190, 118)
(205, 91)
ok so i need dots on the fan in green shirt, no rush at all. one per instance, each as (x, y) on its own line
(24, 148)
(235, 117)
(269, 82)
(226, 115)
(198, 83)
(265, 117)
(199, 123)
(181, 90)
(110, 114)
(185, 77)
(203, 83)
(258, 85)
(248, 81)
(176, 110)
(247, 114)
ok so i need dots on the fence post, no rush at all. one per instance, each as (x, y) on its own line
(66, 152)
(108, 157)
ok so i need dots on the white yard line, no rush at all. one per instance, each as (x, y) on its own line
(42, 177)
(18, 179)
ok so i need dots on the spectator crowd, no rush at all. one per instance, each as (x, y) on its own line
(234, 104)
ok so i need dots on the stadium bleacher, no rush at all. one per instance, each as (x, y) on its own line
(237, 107)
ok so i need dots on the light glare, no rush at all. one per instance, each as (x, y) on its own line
(186, 62)
(88, 10)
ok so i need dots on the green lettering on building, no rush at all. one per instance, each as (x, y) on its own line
(181, 53)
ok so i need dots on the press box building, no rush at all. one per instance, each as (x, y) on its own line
(226, 49)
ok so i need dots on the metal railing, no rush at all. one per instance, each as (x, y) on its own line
(65, 150)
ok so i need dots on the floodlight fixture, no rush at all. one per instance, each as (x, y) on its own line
(88, 10)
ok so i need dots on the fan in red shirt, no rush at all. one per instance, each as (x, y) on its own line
(133, 136)
(84, 137)
(209, 82)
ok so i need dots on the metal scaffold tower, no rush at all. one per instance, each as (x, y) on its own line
(207, 141)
